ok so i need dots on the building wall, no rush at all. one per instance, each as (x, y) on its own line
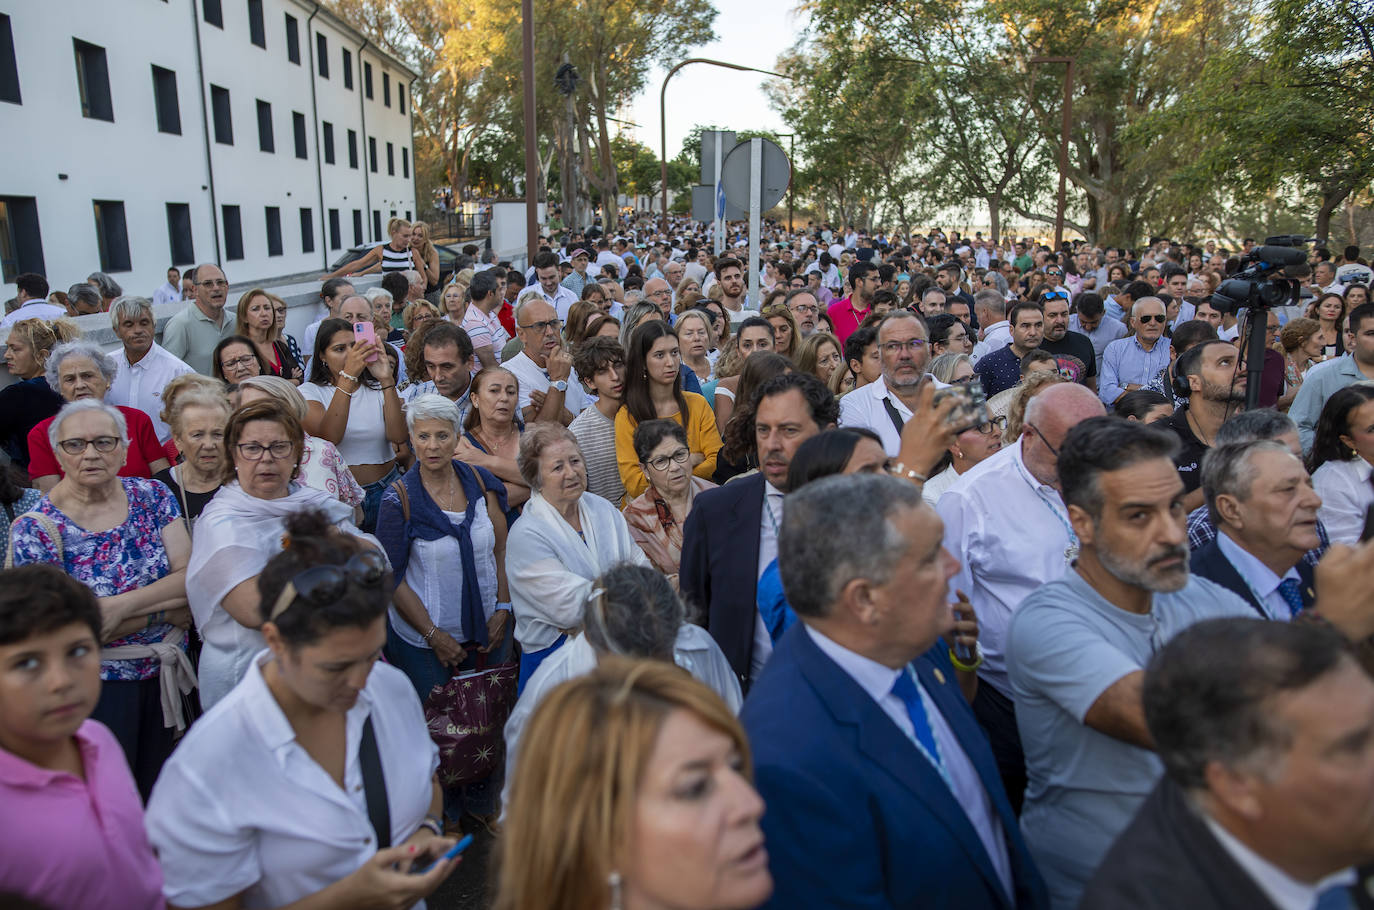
(64, 161)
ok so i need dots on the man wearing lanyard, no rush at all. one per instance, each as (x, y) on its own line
(1007, 527)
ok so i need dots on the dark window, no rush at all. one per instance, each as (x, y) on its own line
(211, 12)
(298, 127)
(327, 130)
(392, 215)
(353, 149)
(179, 233)
(376, 224)
(348, 69)
(372, 153)
(112, 236)
(335, 241)
(224, 121)
(265, 140)
(257, 31)
(322, 52)
(386, 89)
(401, 95)
(367, 79)
(293, 40)
(21, 244)
(9, 67)
(357, 226)
(390, 160)
(273, 231)
(233, 232)
(93, 81)
(307, 231)
(408, 215)
(405, 162)
(165, 99)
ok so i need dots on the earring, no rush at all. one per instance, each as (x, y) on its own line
(614, 882)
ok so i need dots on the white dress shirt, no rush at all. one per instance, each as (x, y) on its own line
(1346, 493)
(242, 806)
(1010, 534)
(168, 293)
(1263, 583)
(864, 407)
(560, 300)
(773, 500)
(877, 680)
(1286, 892)
(31, 309)
(139, 385)
(995, 337)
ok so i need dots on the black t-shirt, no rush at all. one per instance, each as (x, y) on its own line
(193, 503)
(1189, 457)
(1074, 344)
(23, 405)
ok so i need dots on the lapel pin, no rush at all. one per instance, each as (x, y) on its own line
(939, 677)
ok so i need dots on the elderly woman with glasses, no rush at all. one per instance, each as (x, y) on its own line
(123, 538)
(969, 448)
(658, 515)
(78, 370)
(240, 530)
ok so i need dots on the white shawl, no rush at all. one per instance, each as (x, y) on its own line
(551, 570)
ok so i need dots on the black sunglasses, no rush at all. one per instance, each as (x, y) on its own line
(1152, 317)
(320, 585)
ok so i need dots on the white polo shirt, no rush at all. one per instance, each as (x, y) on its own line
(139, 385)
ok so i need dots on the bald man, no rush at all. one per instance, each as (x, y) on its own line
(191, 335)
(660, 294)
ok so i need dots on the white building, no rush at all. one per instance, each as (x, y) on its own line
(265, 135)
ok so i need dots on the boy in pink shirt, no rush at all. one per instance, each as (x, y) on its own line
(73, 833)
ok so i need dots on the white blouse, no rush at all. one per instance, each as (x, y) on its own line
(364, 440)
(1346, 493)
(242, 807)
(435, 573)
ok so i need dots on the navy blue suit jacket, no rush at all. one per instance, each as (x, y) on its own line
(1209, 562)
(856, 817)
(719, 572)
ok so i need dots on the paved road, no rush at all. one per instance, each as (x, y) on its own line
(467, 888)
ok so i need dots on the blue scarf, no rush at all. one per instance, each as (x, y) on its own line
(428, 522)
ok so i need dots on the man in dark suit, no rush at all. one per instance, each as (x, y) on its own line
(1266, 731)
(731, 534)
(1261, 501)
(882, 791)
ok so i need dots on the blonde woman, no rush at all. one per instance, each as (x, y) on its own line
(30, 400)
(454, 300)
(427, 254)
(396, 255)
(694, 335)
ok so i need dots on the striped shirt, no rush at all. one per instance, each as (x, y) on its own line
(595, 434)
(393, 261)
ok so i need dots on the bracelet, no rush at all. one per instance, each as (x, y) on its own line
(434, 824)
(960, 665)
(900, 470)
(155, 618)
(339, 388)
(505, 606)
(430, 634)
(343, 375)
(385, 387)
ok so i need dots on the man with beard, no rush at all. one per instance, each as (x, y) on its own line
(1078, 646)
(730, 275)
(1061, 341)
(885, 405)
(1212, 377)
(805, 309)
(449, 360)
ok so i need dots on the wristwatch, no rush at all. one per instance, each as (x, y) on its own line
(560, 385)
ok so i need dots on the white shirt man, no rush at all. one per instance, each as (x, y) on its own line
(534, 378)
(170, 292)
(867, 406)
(32, 308)
(140, 384)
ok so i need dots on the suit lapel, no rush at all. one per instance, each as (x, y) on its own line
(1225, 574)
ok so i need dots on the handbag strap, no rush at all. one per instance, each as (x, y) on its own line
(49, 528)
(374, 786)
(893, 415)
(403, 496)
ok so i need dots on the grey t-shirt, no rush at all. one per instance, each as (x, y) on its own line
(1066, 646)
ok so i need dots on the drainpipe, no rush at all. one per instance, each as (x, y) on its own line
(362, 114)
(319, 164)
(201, 88)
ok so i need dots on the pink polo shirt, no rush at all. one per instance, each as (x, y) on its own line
(67, 842)
(844, 318)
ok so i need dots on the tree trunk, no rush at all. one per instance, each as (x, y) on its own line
(995, 215)
(1333, 194)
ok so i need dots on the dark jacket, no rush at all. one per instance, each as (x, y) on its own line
(1211, 563)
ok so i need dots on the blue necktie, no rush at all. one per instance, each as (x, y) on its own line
(905, 689)
(1288, 590)
(1337, 898)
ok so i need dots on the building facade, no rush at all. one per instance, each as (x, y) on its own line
(265, 135)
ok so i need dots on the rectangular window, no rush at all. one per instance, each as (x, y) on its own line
(357, 227)
(293, 40)
(408, 218)
(224, 121)
(9, 66)
(179, 233)
(335, 240)
(112, 236)
(298, 127)
(372, 153)
(390, 160)
(322, 54)
(405, 162)
(233, 232)
(266, 142)
(327, 131)
(386, 89)
(367, 79)
(307, 231)
(210, 11)
(165, 100)
(273, 231)
(401, 96)
(93, 81)
(257, 30)
(21, 244)
(376, 224)
(348, 69)
(353, 149)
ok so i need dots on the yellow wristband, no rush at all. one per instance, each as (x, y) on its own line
(960, 665)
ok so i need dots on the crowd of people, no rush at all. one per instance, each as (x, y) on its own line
(951, 572)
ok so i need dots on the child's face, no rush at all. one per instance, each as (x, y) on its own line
(49, 684)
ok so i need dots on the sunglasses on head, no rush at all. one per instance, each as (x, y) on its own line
(320, 585)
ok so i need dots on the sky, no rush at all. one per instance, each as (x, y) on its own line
(749, 32)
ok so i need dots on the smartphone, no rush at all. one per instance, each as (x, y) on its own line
(1368, 531)
(452, 852)
(365, 331)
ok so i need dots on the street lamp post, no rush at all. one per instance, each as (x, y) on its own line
(531, 157)
(1067, 110)
(663, 121)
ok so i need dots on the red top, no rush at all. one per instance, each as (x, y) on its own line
(507, 316)
(845, 318)
(144, 449)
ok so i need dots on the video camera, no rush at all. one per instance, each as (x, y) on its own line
(1261, 286)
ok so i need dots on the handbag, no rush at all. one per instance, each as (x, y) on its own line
(467, 721)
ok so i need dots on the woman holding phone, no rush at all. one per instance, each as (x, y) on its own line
(351, 401)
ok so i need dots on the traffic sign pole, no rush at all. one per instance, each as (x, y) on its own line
(755, 215)
(719, 241)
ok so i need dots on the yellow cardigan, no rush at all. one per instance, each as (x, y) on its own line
(702, 436)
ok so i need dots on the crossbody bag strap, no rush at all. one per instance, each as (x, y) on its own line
(374, 786)
(895, 417)
(403, 496)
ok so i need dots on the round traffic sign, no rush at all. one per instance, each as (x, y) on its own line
(776, 174)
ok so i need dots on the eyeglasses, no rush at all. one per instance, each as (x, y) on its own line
(661, 462)
(243, 361)
(253, 451)
(805, 308)
(214, 283)
(542, 327)
(1153, 317)
(1036, 431)
(996, 423)
(321, 585)
(893, 348)
(75, 446)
